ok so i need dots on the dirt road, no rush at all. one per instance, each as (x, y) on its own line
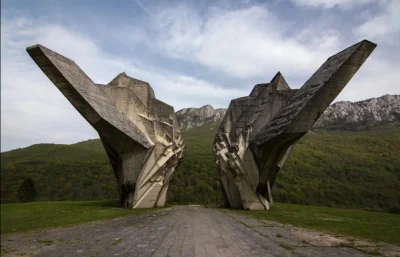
(181, 231)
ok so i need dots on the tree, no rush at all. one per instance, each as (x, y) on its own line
(26, 191)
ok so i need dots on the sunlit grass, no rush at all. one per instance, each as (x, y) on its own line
(22, 217)
(364, 224)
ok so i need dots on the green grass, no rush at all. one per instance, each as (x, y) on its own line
(340, 169)
(362, 224)
(22, 217)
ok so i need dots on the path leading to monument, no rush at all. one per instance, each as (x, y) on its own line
(179, 231)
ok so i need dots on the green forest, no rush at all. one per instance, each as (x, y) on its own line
(351, 169)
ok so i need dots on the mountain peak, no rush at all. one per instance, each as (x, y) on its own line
(207, 106)
(195, 117)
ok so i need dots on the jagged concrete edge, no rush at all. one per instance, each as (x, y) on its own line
(314, 92)
(43, 56)
(302, 110)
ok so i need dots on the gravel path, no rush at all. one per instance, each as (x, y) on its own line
(180, 231)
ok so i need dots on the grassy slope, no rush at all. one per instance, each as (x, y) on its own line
(339, 169)
(348, 169)
(344, 169)
(61, 172)
(24, 217)
(364, 224)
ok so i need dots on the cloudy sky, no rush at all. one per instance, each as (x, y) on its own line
(192, 53)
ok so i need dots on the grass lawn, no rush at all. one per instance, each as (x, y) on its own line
(363, 224)
(22, 217)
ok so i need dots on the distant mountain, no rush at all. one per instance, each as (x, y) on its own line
(367, 113)
(196, 117)
(340, 115)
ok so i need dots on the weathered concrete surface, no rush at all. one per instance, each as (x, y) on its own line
(259, 130)
(184, 231)
(140, 133)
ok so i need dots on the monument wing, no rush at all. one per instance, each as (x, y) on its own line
(87, 97)
(139, 132)
(307, 104)
(259, 130)
(273, 142)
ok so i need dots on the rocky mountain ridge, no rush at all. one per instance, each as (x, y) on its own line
(340, 115)
(196, 117)
(366, 113)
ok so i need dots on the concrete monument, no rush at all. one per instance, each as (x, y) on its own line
(259, 131)
(140, 133)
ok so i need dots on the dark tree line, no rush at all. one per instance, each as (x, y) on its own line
(26, 191)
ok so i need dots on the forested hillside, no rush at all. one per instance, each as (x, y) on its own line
(343, 169)
(60, 172)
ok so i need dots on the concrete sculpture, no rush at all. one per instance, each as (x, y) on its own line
(259, 131)
(140, 133)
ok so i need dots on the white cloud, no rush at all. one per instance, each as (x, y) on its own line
(327, 4)
(253, 43)
(34, 111)
(243, 43)
(385, 26)
(375, 78)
